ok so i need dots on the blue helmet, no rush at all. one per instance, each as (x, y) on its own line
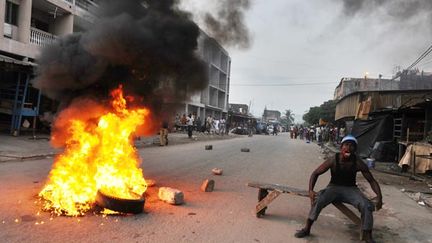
(349, 138)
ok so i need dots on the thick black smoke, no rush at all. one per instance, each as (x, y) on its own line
(228, 25)
(398, 9)
(148, 46)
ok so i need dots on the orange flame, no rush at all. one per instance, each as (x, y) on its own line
(99, 155)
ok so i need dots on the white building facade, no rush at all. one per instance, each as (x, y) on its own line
(27, 25)
(213, 100)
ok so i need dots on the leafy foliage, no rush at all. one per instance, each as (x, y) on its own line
(325, 111)
(287, 119)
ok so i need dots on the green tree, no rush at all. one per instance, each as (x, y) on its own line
(325, 111)
(312, 116)
(288, 118)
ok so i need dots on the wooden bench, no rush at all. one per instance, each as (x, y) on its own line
(269, 192)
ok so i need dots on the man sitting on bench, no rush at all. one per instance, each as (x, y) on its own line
(342, 188)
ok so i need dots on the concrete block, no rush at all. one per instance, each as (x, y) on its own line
(171, 195)
(150, 182)
(217, 171)
(208, 185)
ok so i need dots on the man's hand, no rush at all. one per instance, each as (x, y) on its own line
(312, 196)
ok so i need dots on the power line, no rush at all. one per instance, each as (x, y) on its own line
(421, 57)
(293, 84)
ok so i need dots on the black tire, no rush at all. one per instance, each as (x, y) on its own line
(134, 206)
(208, 147)
(245, 150)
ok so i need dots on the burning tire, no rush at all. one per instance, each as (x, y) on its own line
(122, 205)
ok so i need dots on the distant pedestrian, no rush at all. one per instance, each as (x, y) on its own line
(209, 124)
(189, 123)
(222, 126)
(183, 121)
(198, 124)
(163, 134)
(216, 125)
(177, 123)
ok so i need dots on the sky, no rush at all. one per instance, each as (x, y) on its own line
(299, 50)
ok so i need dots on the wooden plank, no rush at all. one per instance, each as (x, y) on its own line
(277, 189)
(281, 188)
(345, 210)
(267, 200)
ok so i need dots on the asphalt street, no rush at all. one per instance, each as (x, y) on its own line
(224, 215)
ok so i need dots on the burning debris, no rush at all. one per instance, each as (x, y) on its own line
(99, 155)
(143, 48)
(114, 205)
(146, 49)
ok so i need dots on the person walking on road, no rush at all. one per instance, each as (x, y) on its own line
(222, 126)
(342, 188)
(209, 124)
(198, 124)
(189, 123)
(163, 134)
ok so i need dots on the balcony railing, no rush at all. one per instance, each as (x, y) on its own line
(40, 37)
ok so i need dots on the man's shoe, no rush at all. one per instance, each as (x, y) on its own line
(301, 233)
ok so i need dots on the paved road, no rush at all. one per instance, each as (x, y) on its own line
(225, 215)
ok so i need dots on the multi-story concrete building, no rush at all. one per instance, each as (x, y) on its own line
(28, 25)
(25, 27)
(213, 100)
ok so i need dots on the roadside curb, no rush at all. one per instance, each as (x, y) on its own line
(145, 142)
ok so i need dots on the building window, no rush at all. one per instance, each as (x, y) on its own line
(11, 13)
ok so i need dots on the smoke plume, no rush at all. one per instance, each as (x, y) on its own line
(147, 46)
(398, 9)
(228, 25)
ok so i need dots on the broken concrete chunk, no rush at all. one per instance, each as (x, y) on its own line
(217, 171)
(417, 196)
(150, 182)
(171, 195)
(208, 185)
(208, 147)
(245, 150)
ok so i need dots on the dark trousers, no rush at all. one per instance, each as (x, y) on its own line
(346, 194)
(190, 128)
